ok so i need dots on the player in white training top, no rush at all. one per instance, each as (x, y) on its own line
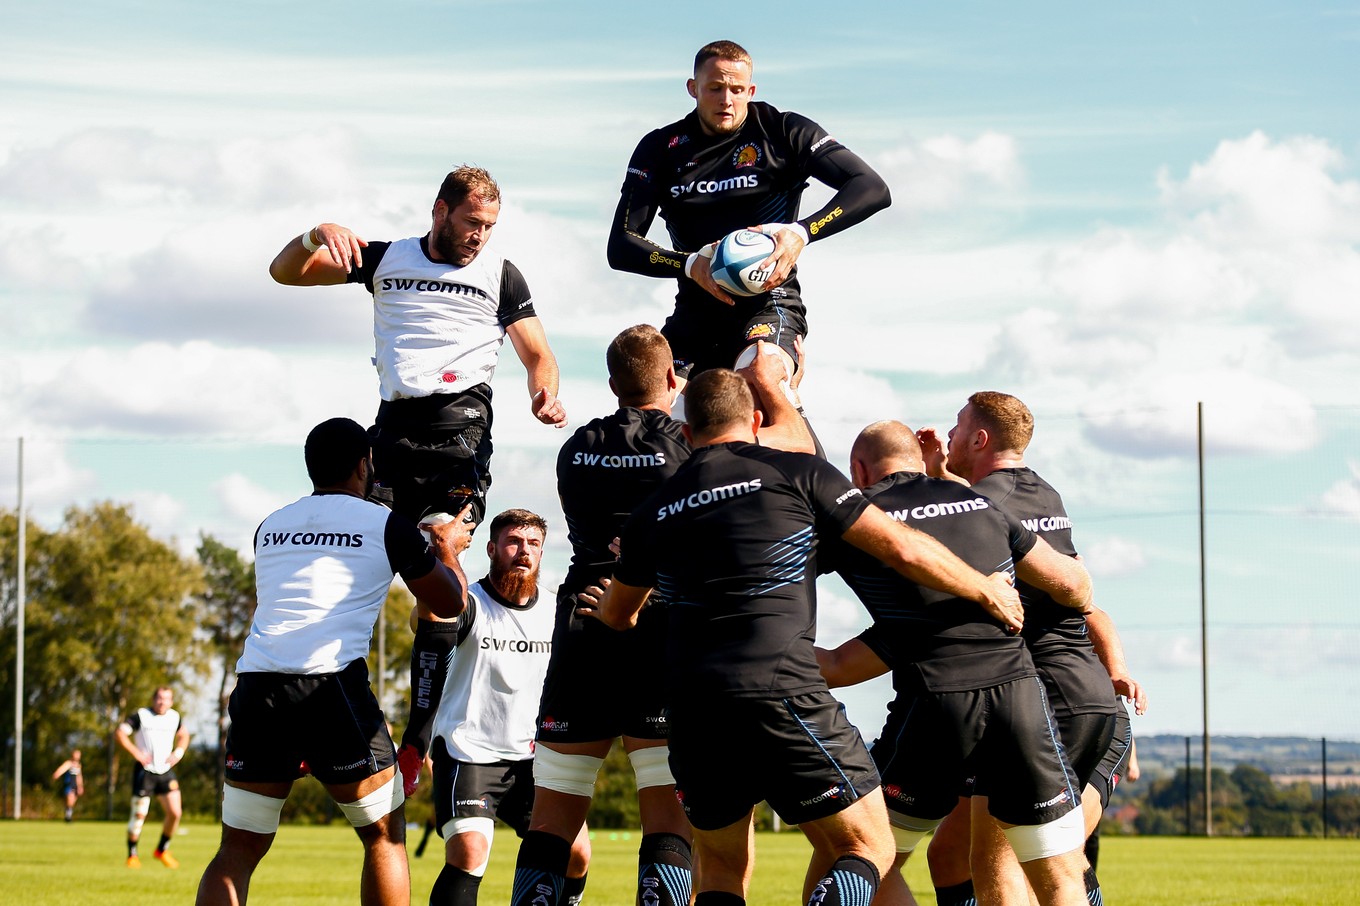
(323, 566)
(156, 739)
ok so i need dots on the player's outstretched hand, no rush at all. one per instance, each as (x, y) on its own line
(345, 246)
(549, 409)
(1133, 691)
(409, 762)
(701, 272)
(1003, 601)
(789, 243)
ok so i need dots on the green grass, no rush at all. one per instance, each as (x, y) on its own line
(48, 863)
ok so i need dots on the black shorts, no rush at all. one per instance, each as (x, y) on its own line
(502, 789)
(1086, 737)
(145, 783)
(429, 447)
(331, 722)
(1110, 771)
(1001, 738)
(800, 754)
(705, 333)
(602, 683)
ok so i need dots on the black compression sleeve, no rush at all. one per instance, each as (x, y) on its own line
(629, 249)
(430, 655)
(860, 193)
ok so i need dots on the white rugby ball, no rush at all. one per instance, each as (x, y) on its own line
(735, 265)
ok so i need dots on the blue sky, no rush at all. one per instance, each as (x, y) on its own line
(1112, 212)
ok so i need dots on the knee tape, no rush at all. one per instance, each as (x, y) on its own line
(1039, 841)
(378, 804)
(908, 832)
(140, 806)
(652, 766)
(563, 773)
(484, 826)
(249, 811)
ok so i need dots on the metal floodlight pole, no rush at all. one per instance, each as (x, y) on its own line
(20, 592)
(1204, 630)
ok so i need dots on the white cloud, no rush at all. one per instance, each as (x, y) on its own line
(946, 172)
(1113, 557)
(1343, 497)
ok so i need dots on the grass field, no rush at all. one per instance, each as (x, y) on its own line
(48, 863)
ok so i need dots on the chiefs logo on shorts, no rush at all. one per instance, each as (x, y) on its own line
(746, 156)
(759, 331)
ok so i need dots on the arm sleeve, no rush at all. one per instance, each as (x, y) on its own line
(431, 653)
(1022, 540)
(628, 248)
(860, 192)
(407, 552)
(637, 565)
(834, 499)
(373, 256)
(879, 642)
(516, 301)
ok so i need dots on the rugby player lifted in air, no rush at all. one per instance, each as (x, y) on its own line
(733, 163)
(442, 305)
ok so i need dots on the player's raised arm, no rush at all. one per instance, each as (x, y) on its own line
(531, 345)
(322, 256)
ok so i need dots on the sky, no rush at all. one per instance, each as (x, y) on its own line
(1115, 213)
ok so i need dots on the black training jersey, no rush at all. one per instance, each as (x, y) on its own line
(730, 543)
(706, 186)
(1056, 635)
(931, 639)
(604, 471)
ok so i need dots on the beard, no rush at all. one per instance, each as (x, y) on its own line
(512, 584)
(446, 246)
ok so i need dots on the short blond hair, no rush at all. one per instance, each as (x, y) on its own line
(1007, 420)
(730, 51)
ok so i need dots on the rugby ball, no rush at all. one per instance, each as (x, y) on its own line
(736, 261)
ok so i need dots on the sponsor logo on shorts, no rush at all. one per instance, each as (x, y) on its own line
(677, 140)
(625, 461)
(835, 792)
(707, 496)
(431, 286)
(894, 792)
(478, 803)
(1064, 796)
(825, 139)
(351, 766)
(717, 186)
(309, 539)
(552, 724)
(747, 156)
(1047, 524)
(544, 895)
(817, 225)
(235, 764)
(516, 646)
(658, 258)
(853, 492)
(759, 331)
(643, 175)
(935, 510)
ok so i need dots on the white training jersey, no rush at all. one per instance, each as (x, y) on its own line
(489, 710)
(154, 734)
(438, 327)
(322, 569)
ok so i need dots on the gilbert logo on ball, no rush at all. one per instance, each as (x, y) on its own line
(736, 262)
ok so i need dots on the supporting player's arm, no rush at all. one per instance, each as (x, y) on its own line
(926, 561)
(1063, 578)
(850, 663)
(334, 251)
(782, 426)
(531, 345)
(1105, 640)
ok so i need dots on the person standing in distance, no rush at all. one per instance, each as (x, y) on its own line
(731, 164)
(72, 783)
(156, 739)
(730, 543)
(480, 702)
(443, 304)
(323, 566)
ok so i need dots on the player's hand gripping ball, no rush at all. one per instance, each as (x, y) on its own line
(736, 262)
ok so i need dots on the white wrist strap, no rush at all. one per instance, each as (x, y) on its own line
(307, 242)
(796, 228)
(705, 252)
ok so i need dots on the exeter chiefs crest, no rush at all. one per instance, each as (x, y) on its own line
(746, 156)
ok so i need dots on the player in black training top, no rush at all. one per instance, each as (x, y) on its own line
(730, 543)
(969, 701)
(731, 164)
(986, 447)
(603, 684)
